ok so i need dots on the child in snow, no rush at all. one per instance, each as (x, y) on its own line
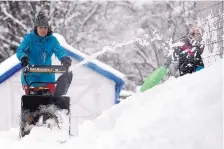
(188, 52)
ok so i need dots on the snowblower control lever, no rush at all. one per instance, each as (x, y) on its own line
(45, 69)
(42, 69)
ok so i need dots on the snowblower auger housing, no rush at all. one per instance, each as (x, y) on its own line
(41, 96)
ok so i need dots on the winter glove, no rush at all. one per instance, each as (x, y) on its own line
(66, 61)
(25, 61)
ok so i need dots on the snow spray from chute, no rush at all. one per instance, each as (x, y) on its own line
(111, 48)
(153, 79)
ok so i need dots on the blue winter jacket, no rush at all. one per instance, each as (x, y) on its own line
(39, 50)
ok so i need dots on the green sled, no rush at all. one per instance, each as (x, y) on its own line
(154, 78)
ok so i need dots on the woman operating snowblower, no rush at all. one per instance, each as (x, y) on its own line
(37, 48)
(35, 54)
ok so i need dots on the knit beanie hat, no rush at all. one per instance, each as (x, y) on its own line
(41, 20)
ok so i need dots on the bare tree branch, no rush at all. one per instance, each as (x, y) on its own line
(105, 10)
(14, 35)
(139, 71)
(69, 18)
(125, 4)
(142, 54)
(154, 48)
(89, 16)
(70, 15)
(146, 60)
(5, 54)
(9, 41)
(51, 12)
(30, 17)
(14, 19)
(143, 51)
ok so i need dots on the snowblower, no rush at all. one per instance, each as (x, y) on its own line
(36, 105)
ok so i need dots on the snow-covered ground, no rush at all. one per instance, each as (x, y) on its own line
(183, 113)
